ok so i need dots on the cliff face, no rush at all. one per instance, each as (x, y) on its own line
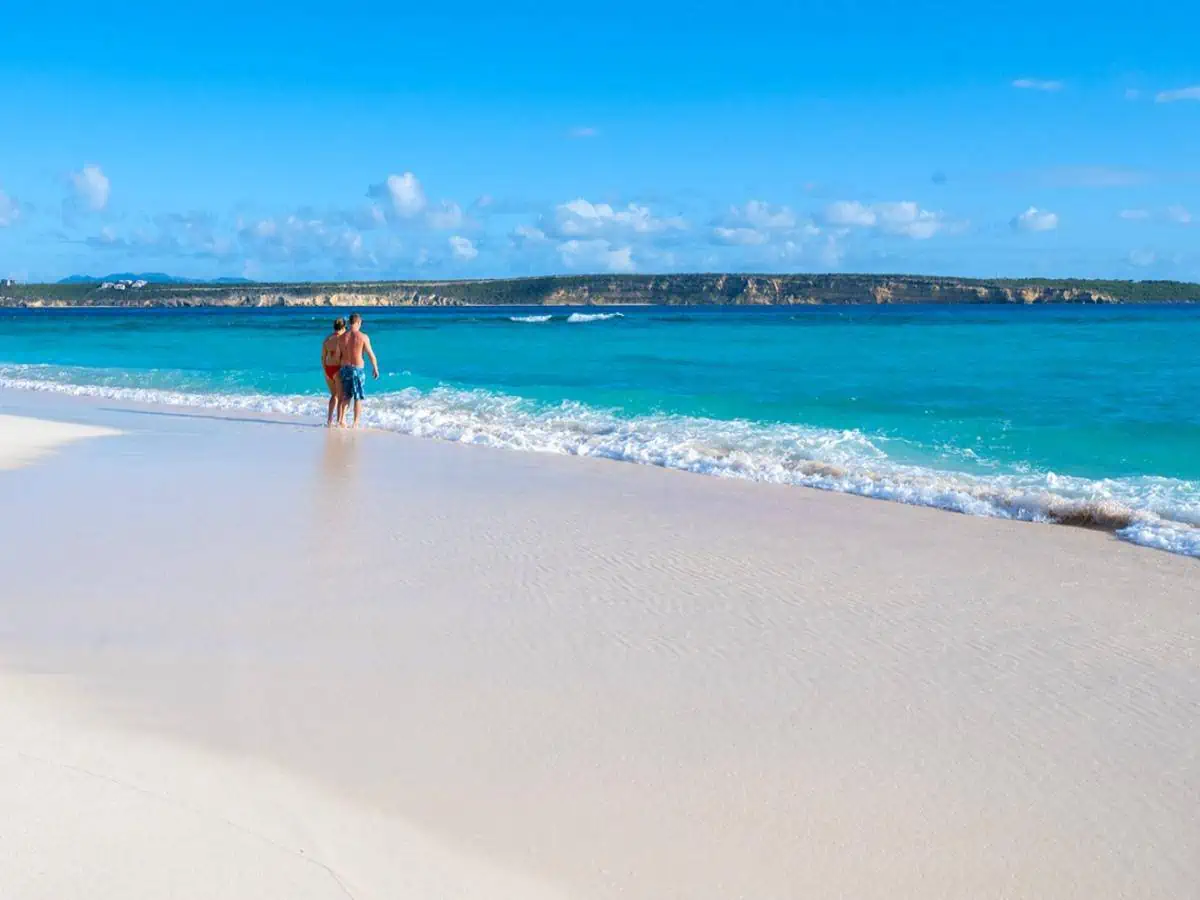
(766, 290)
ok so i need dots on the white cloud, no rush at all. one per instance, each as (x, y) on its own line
(596, 255)
(193, 234)
(141, 239)
(584, 131)
(1034, 219)
(91, 187)
(404, 192)
(448, 216)
(744, 237)
(374, 217)
(850, 213)
(462, 248)
(1187, 93)
(1179, 215)
(580, 218)
(10, 211)
(1037, 84)
(300, 239)
(826, 252)
(758, 214)
(367, 217)
(905, 218)
(908, 219)
(527, 234)
(831, 251)
(1176, 214)
(754, 223)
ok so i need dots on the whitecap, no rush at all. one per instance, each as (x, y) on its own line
(576, 318)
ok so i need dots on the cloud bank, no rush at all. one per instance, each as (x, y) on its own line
(398, 231)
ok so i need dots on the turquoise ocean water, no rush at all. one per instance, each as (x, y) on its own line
(1074, 414)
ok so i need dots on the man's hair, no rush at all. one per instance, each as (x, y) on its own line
(339, 324)
(355, 318)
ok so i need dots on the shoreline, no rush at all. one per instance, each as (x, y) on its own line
(746, 288)
(983, 500)
(597, 680)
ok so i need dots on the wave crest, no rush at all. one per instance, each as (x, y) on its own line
(577, 318)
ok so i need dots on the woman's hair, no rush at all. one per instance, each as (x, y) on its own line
(339, 324)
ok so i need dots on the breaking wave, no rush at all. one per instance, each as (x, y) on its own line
(1154, 511)
(577, 318)
(530, 318)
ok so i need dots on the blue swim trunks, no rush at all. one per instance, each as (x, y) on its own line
(353, 379)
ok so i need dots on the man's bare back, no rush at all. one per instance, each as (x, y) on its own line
(351, 345)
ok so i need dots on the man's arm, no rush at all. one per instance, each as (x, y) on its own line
(367, 349)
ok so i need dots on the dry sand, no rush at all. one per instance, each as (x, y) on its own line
(400, 668)
(23, 439)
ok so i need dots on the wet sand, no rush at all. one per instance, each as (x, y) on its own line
(430, 670)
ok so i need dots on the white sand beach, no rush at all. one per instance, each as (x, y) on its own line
(23, 439)
(246, 659)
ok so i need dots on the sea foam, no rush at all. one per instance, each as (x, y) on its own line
(1154, 511)
(578, 318)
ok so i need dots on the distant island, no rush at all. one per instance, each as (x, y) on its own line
(599, 290)
(147, 278)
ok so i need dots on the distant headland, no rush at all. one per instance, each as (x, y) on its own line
(599, 290)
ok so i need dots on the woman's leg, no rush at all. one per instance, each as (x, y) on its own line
(335, 397)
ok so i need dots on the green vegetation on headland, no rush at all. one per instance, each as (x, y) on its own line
(674, 290)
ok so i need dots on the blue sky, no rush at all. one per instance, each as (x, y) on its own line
(477, 140)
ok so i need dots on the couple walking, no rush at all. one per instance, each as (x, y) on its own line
(342, 358)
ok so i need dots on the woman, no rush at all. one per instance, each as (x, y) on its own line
(331, 362)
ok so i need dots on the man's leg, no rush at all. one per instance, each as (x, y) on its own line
(357, 408)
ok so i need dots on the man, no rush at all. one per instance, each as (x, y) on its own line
(353, 344)
(331, 362)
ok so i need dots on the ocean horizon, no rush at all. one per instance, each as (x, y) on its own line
(1075, 414)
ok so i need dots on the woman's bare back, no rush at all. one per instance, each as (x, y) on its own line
(331, 351)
